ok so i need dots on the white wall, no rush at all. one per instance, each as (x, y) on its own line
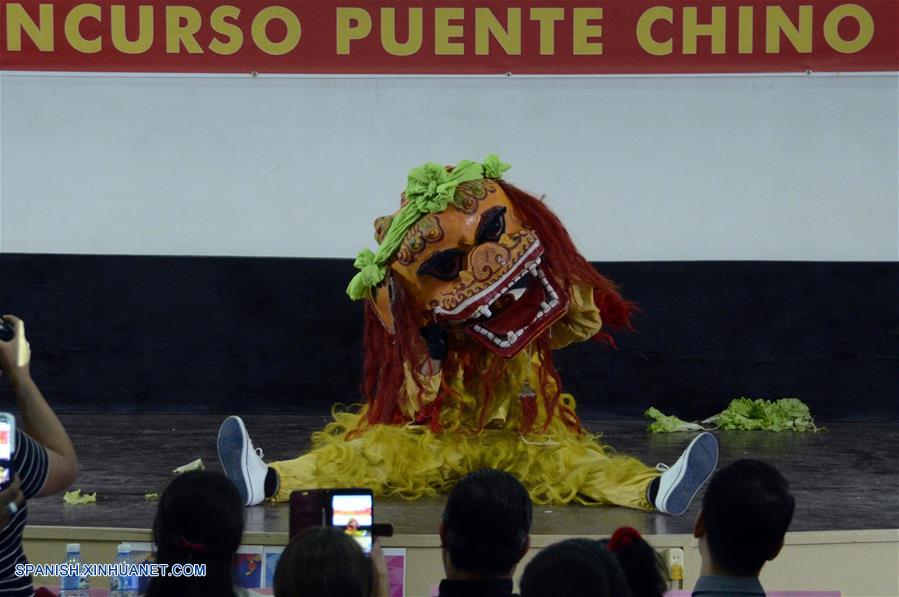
(800, 168)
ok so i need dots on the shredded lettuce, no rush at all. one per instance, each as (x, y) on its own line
(193, 465)
(663, 423)
(743, 414)
(76, 498)
(786, 414)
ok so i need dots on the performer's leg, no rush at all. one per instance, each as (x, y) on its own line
(298, 473)
(625, 481)
(620, 481)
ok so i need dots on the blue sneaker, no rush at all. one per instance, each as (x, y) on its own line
(241, 461)
(680, 482)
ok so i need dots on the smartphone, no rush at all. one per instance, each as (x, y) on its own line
(352, 510)
(7, 448)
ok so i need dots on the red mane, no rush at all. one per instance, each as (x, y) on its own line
(567, 265)
(383, 374)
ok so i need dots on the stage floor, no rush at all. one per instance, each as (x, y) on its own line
(845, 478)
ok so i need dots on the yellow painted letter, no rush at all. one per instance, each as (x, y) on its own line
(73, 28)
(120, 39)
(181, 24)
(715, 29)
(644, 31)
(388, 32)
(777, 21)
(229, 29)
(352, 24)
(260, 37)
(832, 24)
(486, 25)
(583, 32)
(17, 20)
(547, 18)
(444, 31)
(744, 33)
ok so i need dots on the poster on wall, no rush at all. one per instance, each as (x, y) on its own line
(445, 37)
(248, 572)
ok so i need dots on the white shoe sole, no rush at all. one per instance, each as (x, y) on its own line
(701, 461)
(234, 456)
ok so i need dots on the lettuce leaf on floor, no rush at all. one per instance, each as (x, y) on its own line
(75, 498)
(786, 414)
(663, 423)
(743, 414)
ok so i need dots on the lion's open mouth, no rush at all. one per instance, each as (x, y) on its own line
(512, 310)
(509, 313)
(529, 304)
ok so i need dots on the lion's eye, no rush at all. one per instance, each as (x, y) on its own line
(444, 265)
(492, 225)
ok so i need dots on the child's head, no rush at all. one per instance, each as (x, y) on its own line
(574, 568)
(199, 520)
(323, 562)
(642, 565)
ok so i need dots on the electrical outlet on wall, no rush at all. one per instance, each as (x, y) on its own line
(674, 559)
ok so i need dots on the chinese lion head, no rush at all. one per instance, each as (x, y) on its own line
(493, 267)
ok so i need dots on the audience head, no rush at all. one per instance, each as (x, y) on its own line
(643, 567)
(745, 514)
(486, 526)
(324, 562)
(574, 568)
(199, 520)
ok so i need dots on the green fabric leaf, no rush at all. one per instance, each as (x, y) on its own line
(429, 189)
(493, 167)
(663, 423)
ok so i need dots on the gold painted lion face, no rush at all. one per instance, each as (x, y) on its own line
(474, 266)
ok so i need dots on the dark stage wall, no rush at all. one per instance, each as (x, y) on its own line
(125, 334)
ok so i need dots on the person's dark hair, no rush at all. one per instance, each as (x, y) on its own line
(746, 511)
(574, 568)
(487, 522)
(643, 566)
(199, 520)
(324, 562)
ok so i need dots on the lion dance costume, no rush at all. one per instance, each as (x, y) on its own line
(474, 284)
(494, 272)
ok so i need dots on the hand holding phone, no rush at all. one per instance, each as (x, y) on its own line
(352, 510)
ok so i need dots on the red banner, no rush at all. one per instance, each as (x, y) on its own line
(450, 36)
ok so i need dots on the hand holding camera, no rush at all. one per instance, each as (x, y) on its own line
(6, 331)
(15, 351)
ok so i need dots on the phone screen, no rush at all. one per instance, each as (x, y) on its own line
(353, 514)
(5, 452)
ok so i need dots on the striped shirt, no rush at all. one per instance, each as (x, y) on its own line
(31, 464)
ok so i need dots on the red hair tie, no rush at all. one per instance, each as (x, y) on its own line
(182, 542)
(623, 537)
